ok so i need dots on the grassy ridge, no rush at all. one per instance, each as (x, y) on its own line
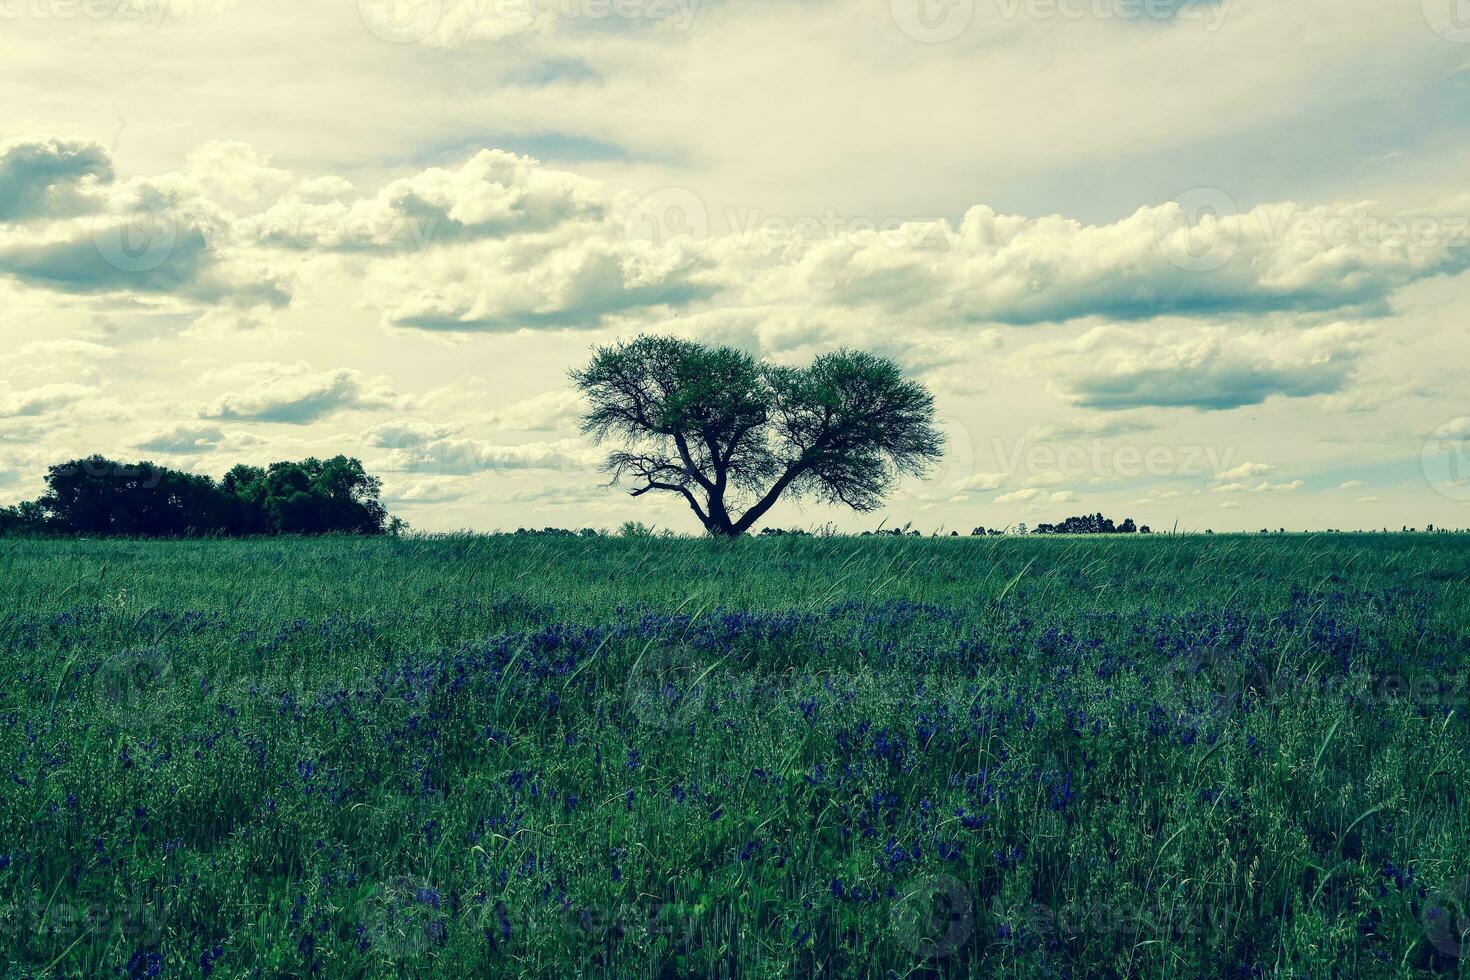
(1159, 756)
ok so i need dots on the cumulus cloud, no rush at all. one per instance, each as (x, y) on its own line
(1245, 471)
(428, 448)
(551, 410)
(1019, 270)
(423, 492)
(492, 195)
(504, 243)
(297, 395)
(187, 439)
(985, 481)
(44, 400)
(1033, 495)
(65, 347)
(1262, 487)
(232, 171)
(465, 456)
(150, 238)
(463, 23)
(1208, 368)
(507, 286)
(47, 177)
(1096, 427)
(407, 434)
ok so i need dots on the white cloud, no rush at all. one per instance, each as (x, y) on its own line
(1095, 427)
(1204, 368)
(1245, 471)
(44, 400)
(464, 456)
(1034, 495)
(49, 176)
(295, 394)
(1262, 487)
(65, 347)
(547, 411)
(493, 194)
(985, 481)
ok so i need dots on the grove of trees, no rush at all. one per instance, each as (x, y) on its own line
(102, 498)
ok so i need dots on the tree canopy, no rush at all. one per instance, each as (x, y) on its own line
(725, 431)
(99, 497)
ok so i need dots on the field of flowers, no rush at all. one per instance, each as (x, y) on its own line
(523, 756)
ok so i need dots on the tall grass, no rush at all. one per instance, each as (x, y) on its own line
(501, 756)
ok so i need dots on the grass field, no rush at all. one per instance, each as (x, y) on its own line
(531, 756)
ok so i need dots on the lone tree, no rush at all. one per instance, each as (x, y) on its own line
(725, 431)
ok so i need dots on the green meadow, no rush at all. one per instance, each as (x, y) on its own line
(545, 756)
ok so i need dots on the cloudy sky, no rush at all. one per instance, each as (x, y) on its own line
(1190, 261)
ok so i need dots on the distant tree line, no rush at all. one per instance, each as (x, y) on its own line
(101, 498)
(1086, 524)
(1092, 524)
